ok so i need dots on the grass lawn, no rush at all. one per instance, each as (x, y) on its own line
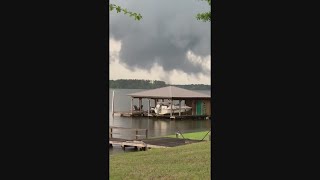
(195, 135)
(190, 161)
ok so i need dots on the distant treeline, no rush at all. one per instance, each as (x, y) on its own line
(150, 84)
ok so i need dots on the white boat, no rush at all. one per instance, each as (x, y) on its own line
(165, 108)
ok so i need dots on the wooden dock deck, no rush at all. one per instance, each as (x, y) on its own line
(153, 115)
(128, 143)
(141, 141)
(163, 142)
(184, 117)
(129, 114)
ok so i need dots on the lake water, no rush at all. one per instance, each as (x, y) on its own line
(156, 127)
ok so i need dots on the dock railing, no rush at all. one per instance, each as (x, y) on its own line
(135, 132)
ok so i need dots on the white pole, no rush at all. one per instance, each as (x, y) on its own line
(112, 106)
(148, 107)
(131, 105)
(171, 108)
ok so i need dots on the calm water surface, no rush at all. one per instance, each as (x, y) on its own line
(156, 127)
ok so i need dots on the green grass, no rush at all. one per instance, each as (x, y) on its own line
(190, 161)
(195, 135)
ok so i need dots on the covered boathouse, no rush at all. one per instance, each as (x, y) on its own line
(200, 103)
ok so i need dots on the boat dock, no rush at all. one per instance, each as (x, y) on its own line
(163, 142)
(145, 143)
(130, 114)
(196, 105)
(153, 115)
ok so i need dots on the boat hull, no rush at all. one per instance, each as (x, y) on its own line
(175, 110)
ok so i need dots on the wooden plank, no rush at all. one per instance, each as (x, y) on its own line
(155, 146)
(114, 133)
(115, 142)
(136, 144)
(133, 144)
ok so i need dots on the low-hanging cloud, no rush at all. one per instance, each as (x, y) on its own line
(165, 35)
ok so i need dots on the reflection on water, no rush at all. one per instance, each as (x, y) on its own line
(156, 127)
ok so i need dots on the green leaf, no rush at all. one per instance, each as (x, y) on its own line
(118, 9)
(111, 7)
(125, 11)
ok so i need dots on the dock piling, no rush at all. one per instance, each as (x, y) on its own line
(112, 106)
(136, 134)
(146, 133)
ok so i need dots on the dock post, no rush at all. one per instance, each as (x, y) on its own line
(110, 132)
(146, 133)
(171, 108)
(136, 134)
(140, 104)
(131, 105)
(148, 107)
(193, 105)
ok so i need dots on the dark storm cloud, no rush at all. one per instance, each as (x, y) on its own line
(165, 34)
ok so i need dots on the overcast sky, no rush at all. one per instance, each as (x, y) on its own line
(167, 44)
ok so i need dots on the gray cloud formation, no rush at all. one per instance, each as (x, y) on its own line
(165, 34)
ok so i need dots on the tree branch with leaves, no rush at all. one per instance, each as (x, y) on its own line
(136, 16)
(206, 16)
